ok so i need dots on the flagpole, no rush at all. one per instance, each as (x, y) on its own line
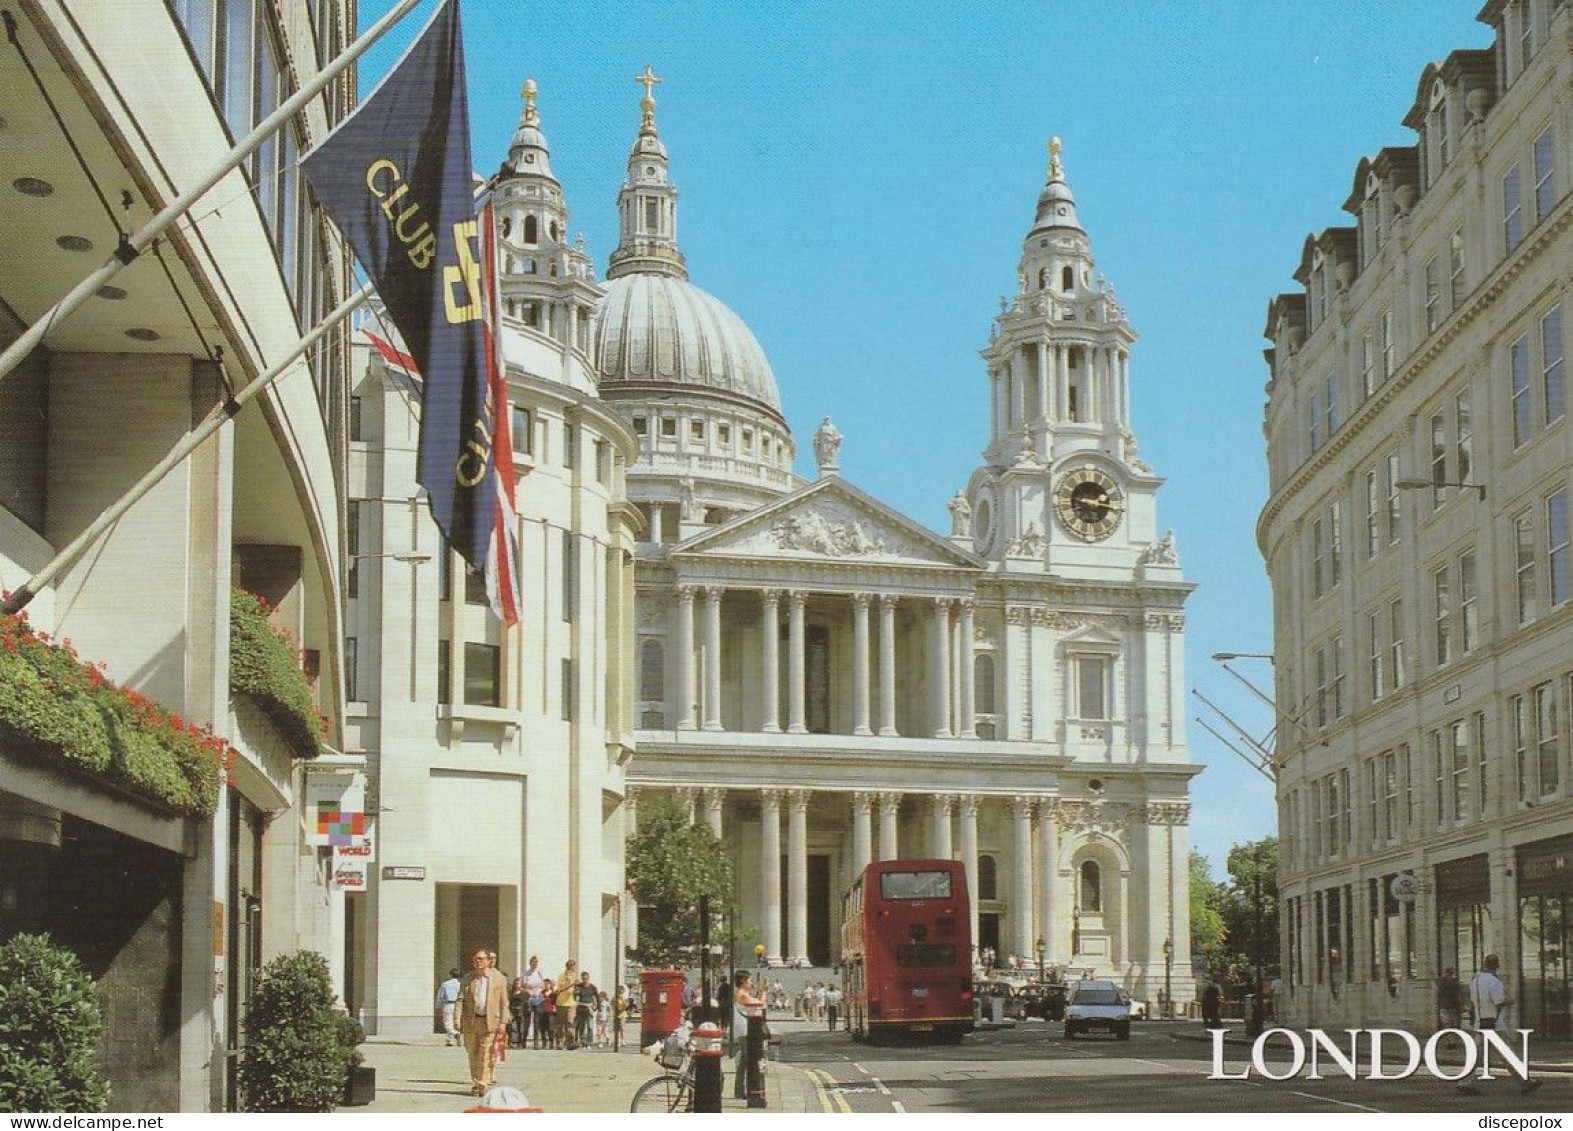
(133, 246)
(219, 416)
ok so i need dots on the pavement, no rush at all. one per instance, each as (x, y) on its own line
(421, 1075)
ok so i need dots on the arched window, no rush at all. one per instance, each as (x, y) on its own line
(652, 671)
(988, 878)
(532, 229)
(983, 683)
(1068, 279)
(1091, 886)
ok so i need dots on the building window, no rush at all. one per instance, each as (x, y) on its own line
(1376, 667)
(1091, 886)
(1547, 741)
(1524, 567)
(1321, 687)
(1518, 365)
(1433, 295)
(1461, 765)
(1368, 363)
(1395, 617)
(1482, 757)
(652, 671)
(641, 425)
(988, 878)
(1463, 438)
(352, 669)
(1092, 690)
(522, 431)
(1457, 284)
(1545, 185)
(1390, 794)
(1318, 555)
(1394, 514)
(569, 454)
(1335, 544)
(482, 675)
(1337, 649)
(723, 434)
(444, 671)
(1373, 515)
(1444, 619)
(1314, 422)
(352, 514)
(669, 428)
(357, 417)
(603, 463)
(570, 576)
(1330, 401)
(1557, 546)
(1468, 602)
(1389, 347)
(474, 587)
(983, 683)
(532, 230)
(696, 431)
(1552, 371)
(1512, 211)
(1438, 460)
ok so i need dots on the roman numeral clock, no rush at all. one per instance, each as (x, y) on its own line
(1089, 504)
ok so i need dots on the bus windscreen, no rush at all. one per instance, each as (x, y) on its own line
(915, 885)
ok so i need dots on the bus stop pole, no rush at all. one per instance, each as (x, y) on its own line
(755, 1052)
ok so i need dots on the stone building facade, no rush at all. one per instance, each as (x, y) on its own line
(1416, 536)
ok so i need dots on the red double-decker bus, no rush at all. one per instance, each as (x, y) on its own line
(906, 943)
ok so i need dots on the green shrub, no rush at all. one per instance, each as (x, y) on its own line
(50, 1027)
(299, 1044)
(57, 708)
(264, 666)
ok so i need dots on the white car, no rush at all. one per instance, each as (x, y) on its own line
(1095, 1004)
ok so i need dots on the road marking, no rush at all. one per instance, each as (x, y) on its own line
(860, 1068)
(1340, 1103)
(884, 1091)
(828, 1100)
(896, 1105)
(1153, 1063)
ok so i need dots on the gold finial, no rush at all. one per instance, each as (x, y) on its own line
(649, 81)
(530, 116)
(1056, 170)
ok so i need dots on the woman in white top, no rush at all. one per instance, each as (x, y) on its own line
(743, 1000)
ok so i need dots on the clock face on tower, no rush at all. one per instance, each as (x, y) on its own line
(1089, 503)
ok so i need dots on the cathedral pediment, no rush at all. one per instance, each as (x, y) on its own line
(829, 521)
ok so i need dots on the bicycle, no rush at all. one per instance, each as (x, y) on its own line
(673, 1090)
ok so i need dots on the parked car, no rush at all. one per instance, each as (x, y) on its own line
(1096, 1004)
(986, 991)
(1043, 999)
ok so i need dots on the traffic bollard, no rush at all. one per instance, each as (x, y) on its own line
(754, 1050)
(707, 1067)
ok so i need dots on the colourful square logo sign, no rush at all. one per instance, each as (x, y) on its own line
(339, 827)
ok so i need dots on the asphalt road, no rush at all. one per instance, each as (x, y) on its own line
(1032, 1068)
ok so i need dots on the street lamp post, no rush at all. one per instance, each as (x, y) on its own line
(1040, 958)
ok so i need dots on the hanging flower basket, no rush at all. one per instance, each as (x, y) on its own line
(265, 667)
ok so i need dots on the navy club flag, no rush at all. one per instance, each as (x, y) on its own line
(395, 176)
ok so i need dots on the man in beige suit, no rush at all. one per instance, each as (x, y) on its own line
(481, 1014)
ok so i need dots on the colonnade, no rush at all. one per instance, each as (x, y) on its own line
(1041, 396)
(951, 691)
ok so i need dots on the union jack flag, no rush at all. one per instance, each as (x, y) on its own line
(502, 553)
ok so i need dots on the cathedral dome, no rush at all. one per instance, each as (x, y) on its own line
(663, 330)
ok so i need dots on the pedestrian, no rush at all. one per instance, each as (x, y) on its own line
(534, 986)
(1449, 1000)
(832, 1005)
(819, 1000)
(619, 1013)
(447, 999)
(1274, 988)
(586, 998)
(724, 1004)
(603, 1021)
(743, 1000)
(568, 1005)
(688, 997)
(519, 1006)
(1212, 1006)
(482, 1011)
(1489, 1001)
(548, 1013)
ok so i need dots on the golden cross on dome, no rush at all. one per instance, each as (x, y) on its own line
(649, 81)
(528, 93)
(1056, 171)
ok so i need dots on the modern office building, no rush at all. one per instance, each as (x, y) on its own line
(1417, 539)
(120, 835)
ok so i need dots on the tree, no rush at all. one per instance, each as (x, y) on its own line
(1250, 911)
(50, 1028)
(671, 863)
(299, 1044)
(1207, 924)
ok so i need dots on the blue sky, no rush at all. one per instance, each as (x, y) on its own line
(856, 180)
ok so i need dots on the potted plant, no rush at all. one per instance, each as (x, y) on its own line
(50, 1027)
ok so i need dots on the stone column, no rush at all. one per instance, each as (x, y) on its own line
(1048, 869)
(770, 870)
(1062, 369)
(796, 705)
(1021, 869)
(862, 831)
(860, 603)
(966, 722)
(887, 663)
(713, 657)
(889, 810)
(939, 650)
(797, 873)
(684, 647)
(769, 640)
(711, 801)
(939, 827)
(688, 798)
(969, 857)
